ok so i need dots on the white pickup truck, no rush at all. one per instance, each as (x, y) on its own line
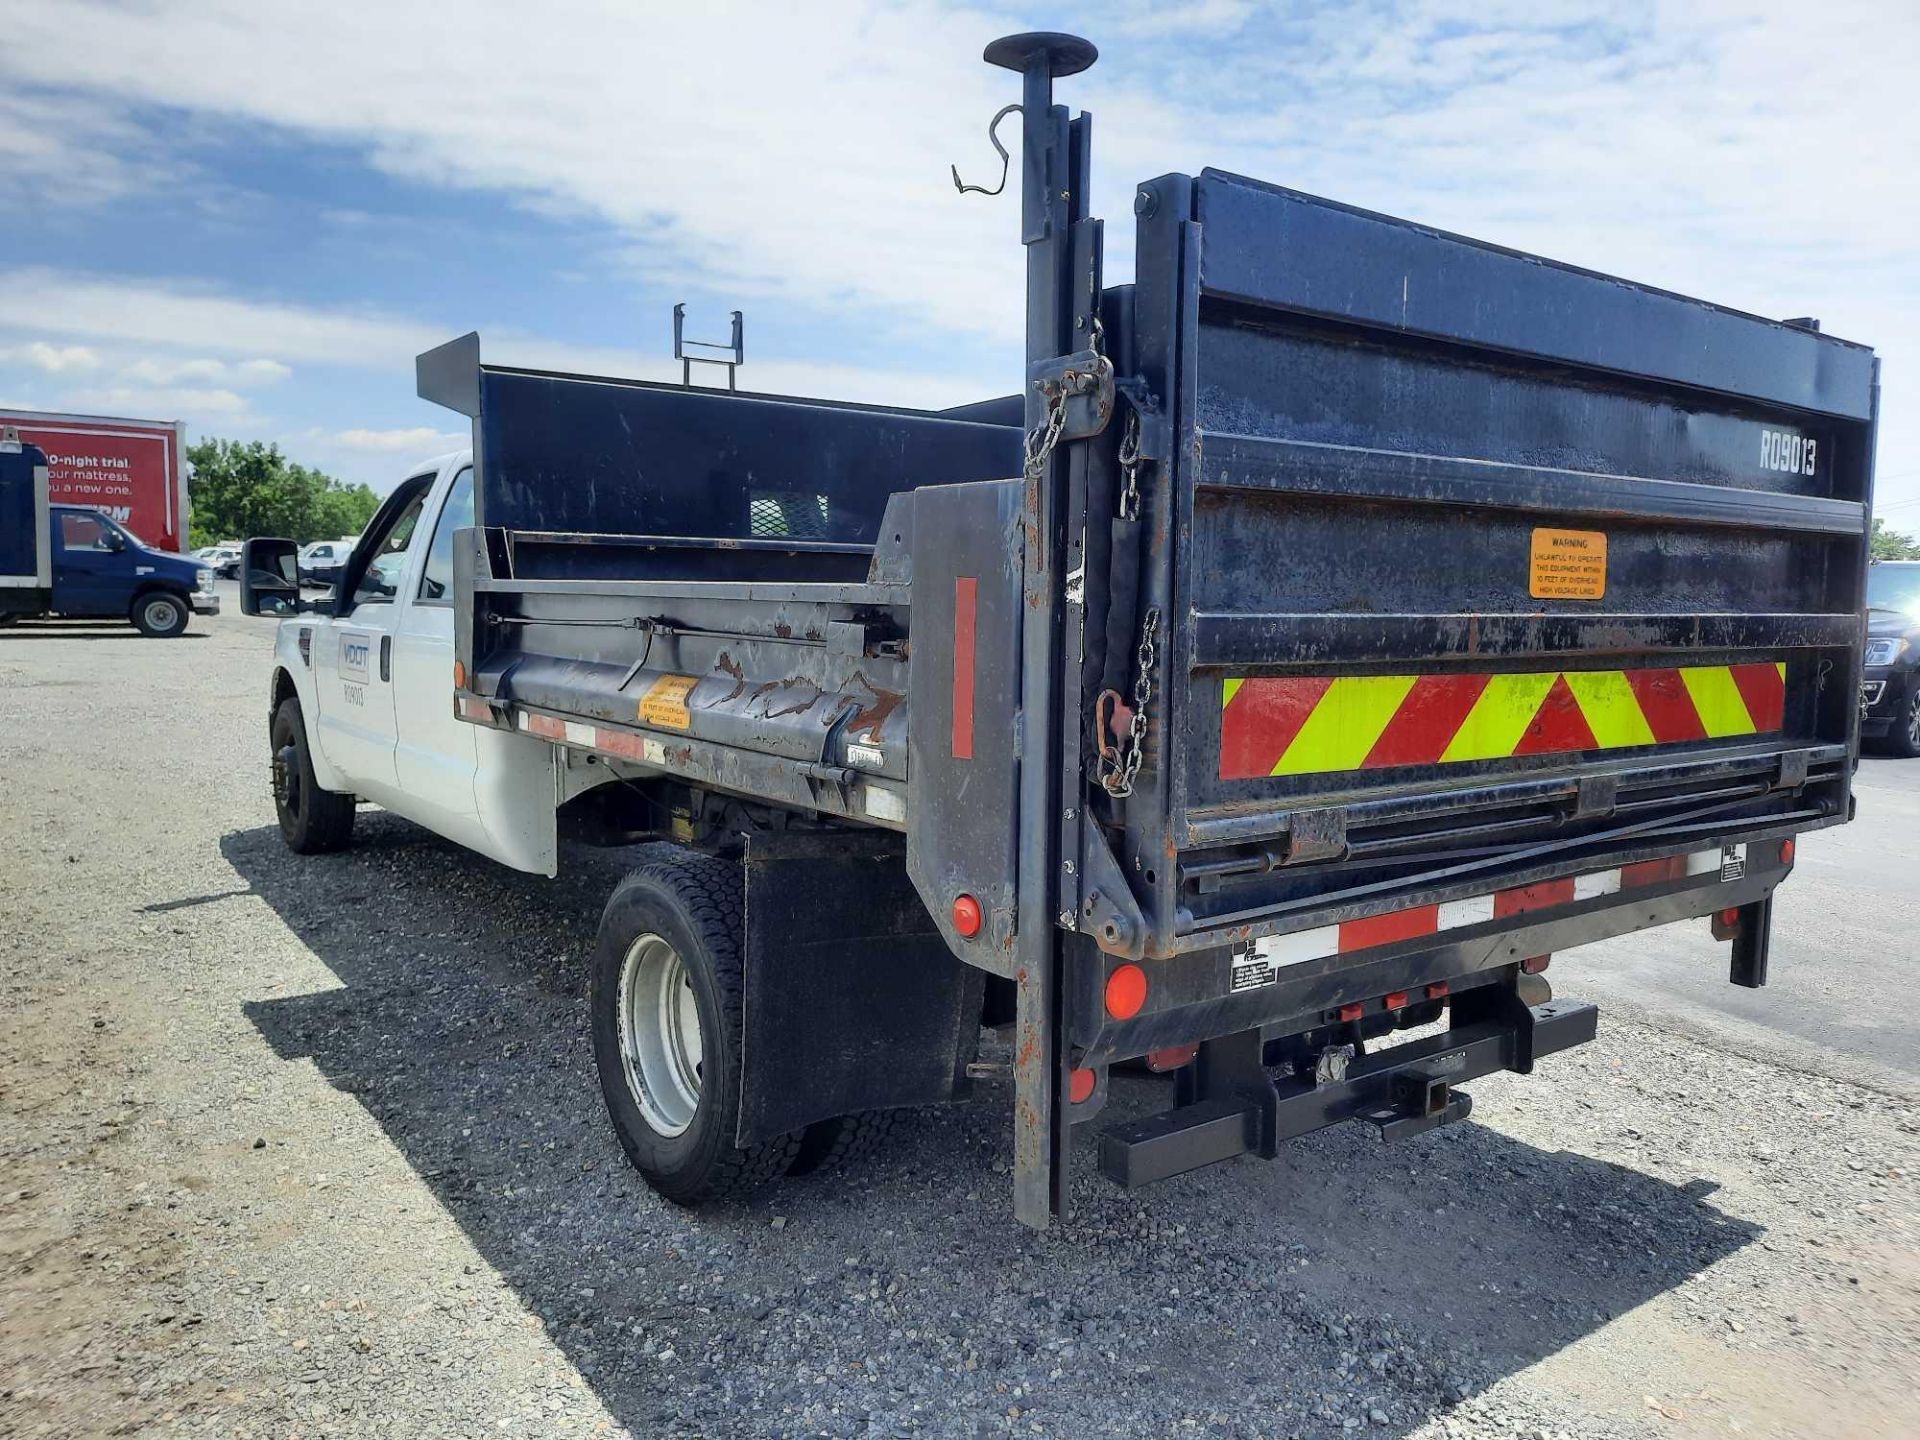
(362, 707)
(362, 698)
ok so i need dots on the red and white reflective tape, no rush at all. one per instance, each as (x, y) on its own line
(1729, 863)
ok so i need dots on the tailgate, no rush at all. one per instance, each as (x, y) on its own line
(1476, 560)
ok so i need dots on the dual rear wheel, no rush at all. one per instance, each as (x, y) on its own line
(666, 1001)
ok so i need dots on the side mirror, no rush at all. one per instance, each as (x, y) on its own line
(113, 540)
(269, 577)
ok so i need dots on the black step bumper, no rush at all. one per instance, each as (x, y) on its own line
(1404, 1090)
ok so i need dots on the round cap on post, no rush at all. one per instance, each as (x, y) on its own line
(1065, 54)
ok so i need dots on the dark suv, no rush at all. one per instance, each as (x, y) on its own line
(1890, 687)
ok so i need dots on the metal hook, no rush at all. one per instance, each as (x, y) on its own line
(1005, 160)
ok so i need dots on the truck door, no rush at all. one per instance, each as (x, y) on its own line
(436, 750)
(353, 661)
(92, 566)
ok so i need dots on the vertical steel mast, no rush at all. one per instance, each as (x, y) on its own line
(1053, 199)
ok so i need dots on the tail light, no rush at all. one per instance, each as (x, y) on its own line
(1126, 991)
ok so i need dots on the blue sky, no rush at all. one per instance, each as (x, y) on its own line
(251, 217)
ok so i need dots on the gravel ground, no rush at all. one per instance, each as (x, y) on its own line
(314, 1148)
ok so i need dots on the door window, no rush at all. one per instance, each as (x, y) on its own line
(436, 581)
(387, 557)
(82, 532)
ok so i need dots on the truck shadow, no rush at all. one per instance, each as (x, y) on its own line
(85, 630)
(1428, 1270)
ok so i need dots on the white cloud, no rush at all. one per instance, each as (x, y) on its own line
(69, 150)
(415, 440)
(201, 318)
(159, 402)
(122, 309)
(52, 359)
(155, 370)
(1755, 153)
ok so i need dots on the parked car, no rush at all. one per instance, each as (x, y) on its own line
(1890, 681)
(223, 559)
(320, 562)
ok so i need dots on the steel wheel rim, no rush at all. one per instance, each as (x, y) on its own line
(286, 780)
(160, 614)
(660, 1042)
(1913, 720)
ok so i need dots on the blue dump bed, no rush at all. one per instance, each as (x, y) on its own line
(1346, 611)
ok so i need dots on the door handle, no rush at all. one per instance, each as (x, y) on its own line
(386, 657)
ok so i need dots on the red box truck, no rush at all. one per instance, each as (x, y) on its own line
(131, 469)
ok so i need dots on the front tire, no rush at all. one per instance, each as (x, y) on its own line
(159, 614)
(313, 821)
(1904, 738)
(666, 1005)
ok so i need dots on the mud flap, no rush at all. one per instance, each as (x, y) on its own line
(853, 1000)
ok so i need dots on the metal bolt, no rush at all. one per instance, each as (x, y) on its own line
(1069, 865)
(1066, 919)
(1145, 202)
(1071, 812)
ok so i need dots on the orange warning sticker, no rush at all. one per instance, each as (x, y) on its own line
(665, 703)
(1568, 565)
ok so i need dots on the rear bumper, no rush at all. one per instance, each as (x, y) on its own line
(1403, 1090)
(1281, 985)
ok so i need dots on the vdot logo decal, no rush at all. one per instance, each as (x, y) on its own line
(354, 650)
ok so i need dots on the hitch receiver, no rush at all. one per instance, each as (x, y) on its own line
(1405, 1090)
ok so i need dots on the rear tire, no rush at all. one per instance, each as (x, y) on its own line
(159, 614)
(313, 821)
(666, 1002)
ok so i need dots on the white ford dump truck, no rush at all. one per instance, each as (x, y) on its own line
(1343, 618)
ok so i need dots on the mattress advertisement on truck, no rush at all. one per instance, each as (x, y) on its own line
(131, 469)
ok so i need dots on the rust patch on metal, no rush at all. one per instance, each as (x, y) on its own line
(727, 663)
(762, 695)
(869, 717)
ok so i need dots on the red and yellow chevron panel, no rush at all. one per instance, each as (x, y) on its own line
(1313, 724)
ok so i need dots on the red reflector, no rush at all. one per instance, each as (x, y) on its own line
(1397, 999)
(1353, 1011)
(1439, 990)
(1786, 852)
(1725, 924)
(1080, 1086)
(1126, 991)
(459, 676)
(1730, 915)
(1533, 965)
(1171, 1058)
(967, 918)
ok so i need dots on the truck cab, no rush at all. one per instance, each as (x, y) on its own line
(362, 693)
(82, 564)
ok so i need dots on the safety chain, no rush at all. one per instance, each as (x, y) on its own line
(1130, 466)
(1117, 772)
(1042, 439)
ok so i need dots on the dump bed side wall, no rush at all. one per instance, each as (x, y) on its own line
(1378, 431)
(619, 480)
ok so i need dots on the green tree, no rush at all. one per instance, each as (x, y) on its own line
(243, 488)
(1891, 544)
